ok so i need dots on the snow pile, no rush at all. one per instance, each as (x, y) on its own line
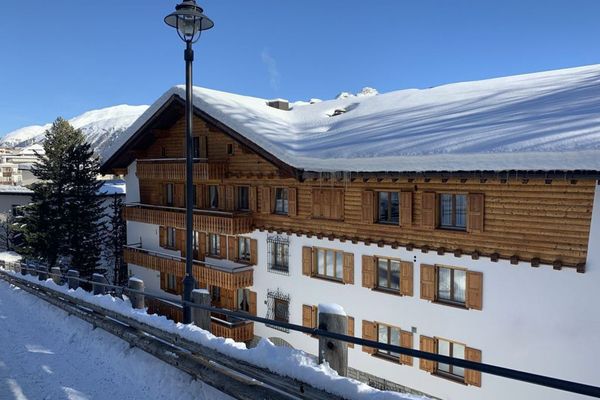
(15, 189)
(331, 308)
(281, 360)
(47, 354)
(543, 121)
(100, 127)
(111, 187)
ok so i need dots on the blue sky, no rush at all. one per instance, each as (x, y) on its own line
(64, 57)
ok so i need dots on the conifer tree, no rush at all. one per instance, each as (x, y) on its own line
(64, 220)
(116, 238)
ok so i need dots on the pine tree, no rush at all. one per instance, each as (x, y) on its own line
(116, 238)
(64, 220)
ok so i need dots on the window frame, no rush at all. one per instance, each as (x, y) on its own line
(451, 301)
(324, 250)
(385, 353)
(276, 302)
(444, 374)
(209, 193)
(389, 273)
(272, 253)
(169, 194)
(216, 246)
(285, 201)
(238, 191)
(389, 220)
(453, 226)
(171, 238)
(170, 283)
(246, 254)
(239, 300)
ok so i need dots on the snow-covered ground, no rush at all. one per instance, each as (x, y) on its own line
(46, 354)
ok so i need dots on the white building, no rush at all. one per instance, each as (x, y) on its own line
(462, 220)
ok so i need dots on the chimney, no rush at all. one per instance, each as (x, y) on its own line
(279, 104)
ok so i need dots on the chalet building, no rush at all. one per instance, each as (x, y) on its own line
(458, 220)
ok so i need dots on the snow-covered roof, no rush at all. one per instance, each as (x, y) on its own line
(12, 189)
(544, 121)
(112, 187)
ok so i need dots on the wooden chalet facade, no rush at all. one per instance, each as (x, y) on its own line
(430, 260)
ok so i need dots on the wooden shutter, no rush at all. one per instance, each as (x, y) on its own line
(307, 316)
(253, 199)
(475, 205)
(406, 278)
(337, 206)
(178, 285)
(179, 195)
(180, 241)
(307, 261)
(428, 210)
(292, 202)
(406, 208)
(231, 248)
(201, 196)
(163, 281)
(349, 268)
(221, 197)
(368, 272)
(253, 251)
(162, 236)
(427, 282)
(222, 246)
(350, 330)
(472, 377)
(369, 332)
(427, 344)
(474, 290)
(316, 203)
(201, 245)
(406, 341)
(229, 198)
(265, 206)
(368, 207)
(252, 302)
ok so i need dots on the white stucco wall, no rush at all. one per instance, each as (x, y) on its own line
(133, 185)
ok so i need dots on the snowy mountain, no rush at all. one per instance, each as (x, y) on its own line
(101, 127)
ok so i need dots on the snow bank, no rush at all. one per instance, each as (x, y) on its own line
(281, 360)
(330, 308)
(542, 121)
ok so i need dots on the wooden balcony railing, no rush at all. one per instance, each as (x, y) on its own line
(225, 223)
(240, 332)
(173, 169)
(203, 272)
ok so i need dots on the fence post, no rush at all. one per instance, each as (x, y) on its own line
(98, 289)
(137, 299)
(332, 318)
(55, 274)
(22, 268)
(72, 276)
(200, 317)
(42, 272)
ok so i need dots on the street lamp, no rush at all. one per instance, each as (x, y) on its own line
(189, 21)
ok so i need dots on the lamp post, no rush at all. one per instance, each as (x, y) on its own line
(189, 21)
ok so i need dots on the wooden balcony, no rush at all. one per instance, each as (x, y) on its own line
(207, 274)
(221, 222)
(241, 331)
(173, 169)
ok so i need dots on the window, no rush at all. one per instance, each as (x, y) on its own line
(281, 201)
(229, 149)
(196, 143)
(195, 201)
(215, 294)
(196, 245)
(169, 194)
(453, 211)
(214, 244)
(16, 210)
(171, 238)
(388, 208)
(242, 199)
(330, 263)
(451, 284)
(243, 300)
(163, 152)
(278, 305)
(388, 335)
(388, 274)
(243, 249)
(278, 249)
(171, 283)
(450, 349)
(213, 196)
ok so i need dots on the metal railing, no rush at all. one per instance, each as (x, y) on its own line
(509, 373)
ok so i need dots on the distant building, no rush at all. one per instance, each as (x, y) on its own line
(11, 197)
